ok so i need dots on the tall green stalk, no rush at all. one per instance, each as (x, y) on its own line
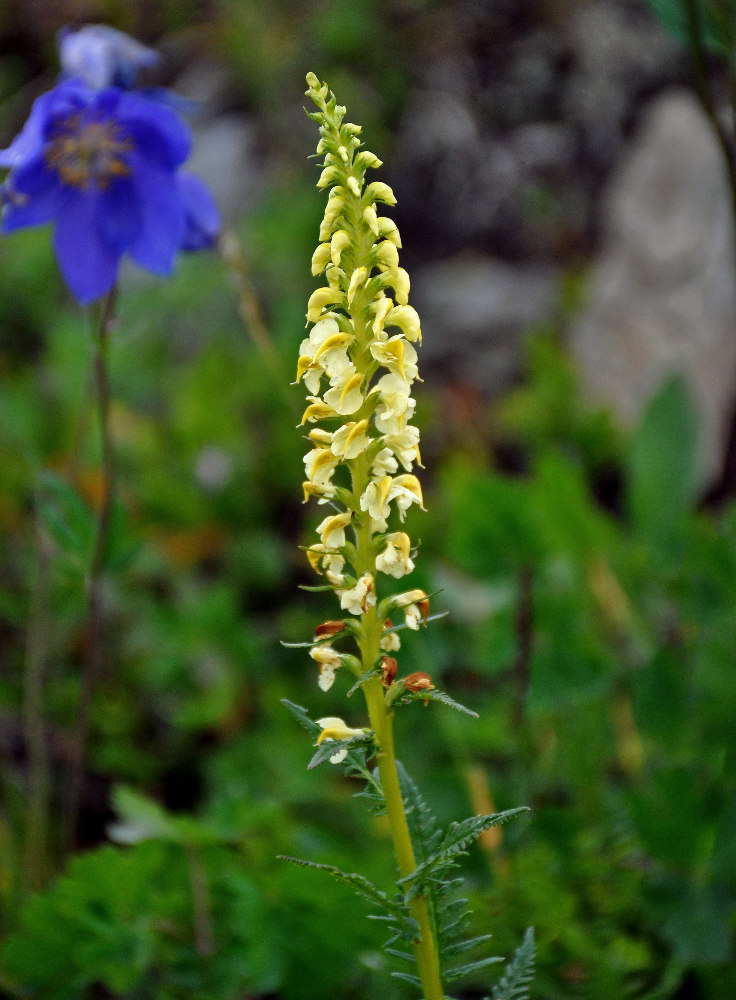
(92, 658)
(368, 403)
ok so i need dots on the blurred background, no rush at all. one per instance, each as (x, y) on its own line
(565, 183)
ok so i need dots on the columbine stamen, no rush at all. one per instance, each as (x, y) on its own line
(88, 153)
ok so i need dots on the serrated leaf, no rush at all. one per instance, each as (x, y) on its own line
(361, 681)
(69, 520)
(407, 977)
(300, 714)
(445, 699)
(330, 747)
(663, 466)
(405, 956)
(517, 977)
(459, 947)
(456, 841)
(365, 888)
(465, 970)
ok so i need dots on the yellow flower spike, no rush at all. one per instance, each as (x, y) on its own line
(395, 349)
(330, 175)
(376, 498)
(354, 186)
(400, 284)
(320, 436)
(332, 529)
(350, 440)
(387, 256)
(316, 410)
(346, 396)
(320, 298)
(395, 559)
(407, 320)
(378, 191)
(315, 554)
(356, 430)
(319, 464)
(371, 219)
(302, 367)
(320, 258)
(358, 278)
(332, 342)
(366, 159)
(382, 309)
(335, 205)
(389, 230)
(339, 242)
(333, 728)
(316, 490)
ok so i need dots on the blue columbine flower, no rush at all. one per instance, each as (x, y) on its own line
(102, 56)
(103, 164)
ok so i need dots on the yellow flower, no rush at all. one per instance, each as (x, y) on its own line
(360, 597)
(333, 728)
(329, 661)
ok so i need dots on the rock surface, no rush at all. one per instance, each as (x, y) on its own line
(663, 296)
(475, 312)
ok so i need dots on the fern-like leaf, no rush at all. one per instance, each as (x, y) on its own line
(465, 970)
(435, 695)
(456, 842)
(395, 909)
(300, 714)
(517, 977)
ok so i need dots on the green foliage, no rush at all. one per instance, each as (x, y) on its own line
(716, 20)
(604, 636)
(518, 975)
(395, 910)
(663, 474)
(131, 923)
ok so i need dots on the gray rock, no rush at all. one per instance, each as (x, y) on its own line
(475, 312)
(663, 293)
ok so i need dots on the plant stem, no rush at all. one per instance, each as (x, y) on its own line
(92, 654)
(425, 950)
(706, 95)
(381, 719)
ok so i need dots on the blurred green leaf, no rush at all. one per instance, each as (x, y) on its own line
(663, 467)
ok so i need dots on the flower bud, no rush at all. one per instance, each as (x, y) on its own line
(329, 628)
(389, 667)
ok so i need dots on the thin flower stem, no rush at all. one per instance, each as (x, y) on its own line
(92, 655)
(381, 719)
(252, 314)
(425, 950)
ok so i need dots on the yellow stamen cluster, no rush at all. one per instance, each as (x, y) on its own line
(358, 364)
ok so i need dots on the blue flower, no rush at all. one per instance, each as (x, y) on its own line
(101, 56)
(103, 165)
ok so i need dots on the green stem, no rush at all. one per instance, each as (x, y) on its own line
(381, 719)
(706, 95)
(93, 655)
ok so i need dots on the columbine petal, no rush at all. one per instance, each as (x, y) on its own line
(35, 201)
(162, 219)
(201, 215)
(29, 142)
(87, 263)
(120, 218)
(102, 56)
(158, 132)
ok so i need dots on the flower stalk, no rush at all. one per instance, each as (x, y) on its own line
(358, 364)
(92, 631)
